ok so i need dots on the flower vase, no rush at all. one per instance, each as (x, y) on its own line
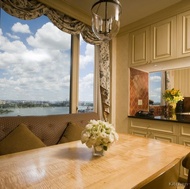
(172, 107)
(97, 153)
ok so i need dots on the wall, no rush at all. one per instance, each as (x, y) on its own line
(138, 91)
(122, 84)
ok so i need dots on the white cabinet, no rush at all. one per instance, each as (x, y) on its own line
(153, 43)
(163, 40)
(139, 44)
(183, 39)
(154, 129)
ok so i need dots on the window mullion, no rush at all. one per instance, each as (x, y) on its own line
(74, 74)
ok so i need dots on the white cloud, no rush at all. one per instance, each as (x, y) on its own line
(155, 78)
(88, 57)
(8, 46)
(40, 70)
(34, 73)
(13, 36)
(50, 37)
(86, 87)
(20, 28)
(155, 94)
(158, 89)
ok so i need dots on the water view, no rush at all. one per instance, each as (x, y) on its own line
(40, 111)
(29, 108)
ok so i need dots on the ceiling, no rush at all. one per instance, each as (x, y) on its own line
(132, 10)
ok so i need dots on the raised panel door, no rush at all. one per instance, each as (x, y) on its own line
(139, 44)
(184, 34)
(163, 40)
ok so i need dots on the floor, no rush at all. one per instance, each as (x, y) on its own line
(180, 186)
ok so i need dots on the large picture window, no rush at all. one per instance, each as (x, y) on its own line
(35, 62)
(35, 69)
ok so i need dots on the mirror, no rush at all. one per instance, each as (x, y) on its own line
(159, 81)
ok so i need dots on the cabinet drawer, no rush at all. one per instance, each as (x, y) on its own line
(163, 137)
(139, 123)
(164, 127)
(138, 132)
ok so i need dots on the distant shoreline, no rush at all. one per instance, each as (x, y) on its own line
(33, 111)
(5, 111)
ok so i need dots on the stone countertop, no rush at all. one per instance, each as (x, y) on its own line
(180, 118)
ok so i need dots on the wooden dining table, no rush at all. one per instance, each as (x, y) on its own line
(72, 165)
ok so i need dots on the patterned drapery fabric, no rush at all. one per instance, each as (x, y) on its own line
(104, 72)
(30, 9)
(23, 9)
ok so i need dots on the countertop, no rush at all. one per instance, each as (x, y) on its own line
(178, 117)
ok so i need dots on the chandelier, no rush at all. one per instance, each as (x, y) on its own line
(105, 19)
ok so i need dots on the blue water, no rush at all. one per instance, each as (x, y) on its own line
(36, 111)
(33, 111)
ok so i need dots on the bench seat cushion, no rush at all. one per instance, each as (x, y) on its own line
(20, 139)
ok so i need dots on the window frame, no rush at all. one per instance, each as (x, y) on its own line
(74, 77)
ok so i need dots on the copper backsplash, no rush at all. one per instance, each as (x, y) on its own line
(138, 90)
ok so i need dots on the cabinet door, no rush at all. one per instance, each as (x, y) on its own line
(183, 34)
(163, 40)
(138, 45)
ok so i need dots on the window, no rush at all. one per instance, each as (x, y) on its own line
(155, 86)
(35, 61)
(86, 77)
(35, 68)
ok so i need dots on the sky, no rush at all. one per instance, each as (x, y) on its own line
(35, 61)
(155, 86)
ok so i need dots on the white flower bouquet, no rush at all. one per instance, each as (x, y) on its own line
(99, 134)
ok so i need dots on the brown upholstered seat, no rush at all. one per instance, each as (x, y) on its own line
(186, 164)
(48, 128)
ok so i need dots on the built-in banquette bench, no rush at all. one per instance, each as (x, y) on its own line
(28, 132)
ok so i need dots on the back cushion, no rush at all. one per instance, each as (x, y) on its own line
(20, 139)
(48, 128)
(71, 133)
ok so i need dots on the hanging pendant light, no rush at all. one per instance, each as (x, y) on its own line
(105, 19)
